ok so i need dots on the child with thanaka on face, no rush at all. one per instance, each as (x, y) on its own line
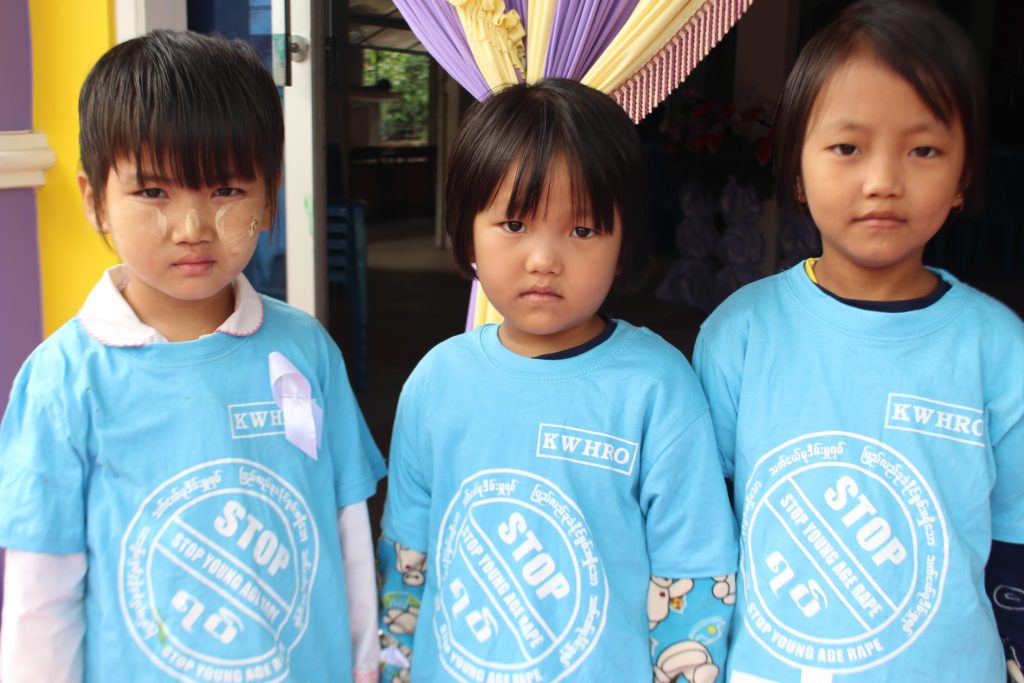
(870, 409)
(556, 509)
(183, 466)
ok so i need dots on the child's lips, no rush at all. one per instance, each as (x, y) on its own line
(193, 265)
(881, 219)
(541, 294)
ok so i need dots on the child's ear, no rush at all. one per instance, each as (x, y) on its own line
(89, 203)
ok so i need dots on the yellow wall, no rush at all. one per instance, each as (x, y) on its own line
(67, 39)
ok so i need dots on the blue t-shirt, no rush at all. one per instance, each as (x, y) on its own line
(211, 540)
(545, 494)
(875, 456)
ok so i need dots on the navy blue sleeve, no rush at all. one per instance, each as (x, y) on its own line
(1004, 582)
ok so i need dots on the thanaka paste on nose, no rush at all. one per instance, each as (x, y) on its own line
(192, 225)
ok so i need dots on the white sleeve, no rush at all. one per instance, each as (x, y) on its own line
(42, 629)
(361, 587)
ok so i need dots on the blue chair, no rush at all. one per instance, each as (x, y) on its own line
(346, 265)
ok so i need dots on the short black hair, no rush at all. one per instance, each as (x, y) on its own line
(525, 128)
(917, 41)
(201, 107)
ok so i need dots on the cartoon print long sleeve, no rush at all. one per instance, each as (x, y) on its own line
(403, 573)
(689, 620)
(1004, 584)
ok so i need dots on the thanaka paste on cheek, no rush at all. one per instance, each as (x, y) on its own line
(147, 218)
(237, 223)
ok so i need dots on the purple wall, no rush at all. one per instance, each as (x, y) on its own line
(21, 326)
(20, 306)
(16, 76)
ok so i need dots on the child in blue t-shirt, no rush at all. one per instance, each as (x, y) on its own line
(869, 409)
(183, 466)
(556, 510)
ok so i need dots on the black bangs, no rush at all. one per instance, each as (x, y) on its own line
(197, 110)
(591, 209)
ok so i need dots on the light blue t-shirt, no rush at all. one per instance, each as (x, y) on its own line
(545, 494)
(875, 456)
(211, 540)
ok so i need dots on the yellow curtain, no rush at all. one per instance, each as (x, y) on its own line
(483, 312)
(495, 38)
(541, 15)
(652, 24)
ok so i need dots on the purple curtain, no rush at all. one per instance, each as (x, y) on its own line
(436, 24)
(581, 31)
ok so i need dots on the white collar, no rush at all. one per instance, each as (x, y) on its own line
(108, 318)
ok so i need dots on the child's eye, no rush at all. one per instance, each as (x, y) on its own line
(584, 232)
(513, 226)
(924, 152)
(152, 193)
(844, 149)
(227, 192)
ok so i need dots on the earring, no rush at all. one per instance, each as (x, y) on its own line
(958, 202)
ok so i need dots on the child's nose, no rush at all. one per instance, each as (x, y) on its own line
(543, 257)
(884, 178)
(191, 227)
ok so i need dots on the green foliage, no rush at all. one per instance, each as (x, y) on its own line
(408, 75)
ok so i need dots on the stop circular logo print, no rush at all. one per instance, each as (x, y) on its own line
(522, 592)
(216, 571)
(844, 552)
